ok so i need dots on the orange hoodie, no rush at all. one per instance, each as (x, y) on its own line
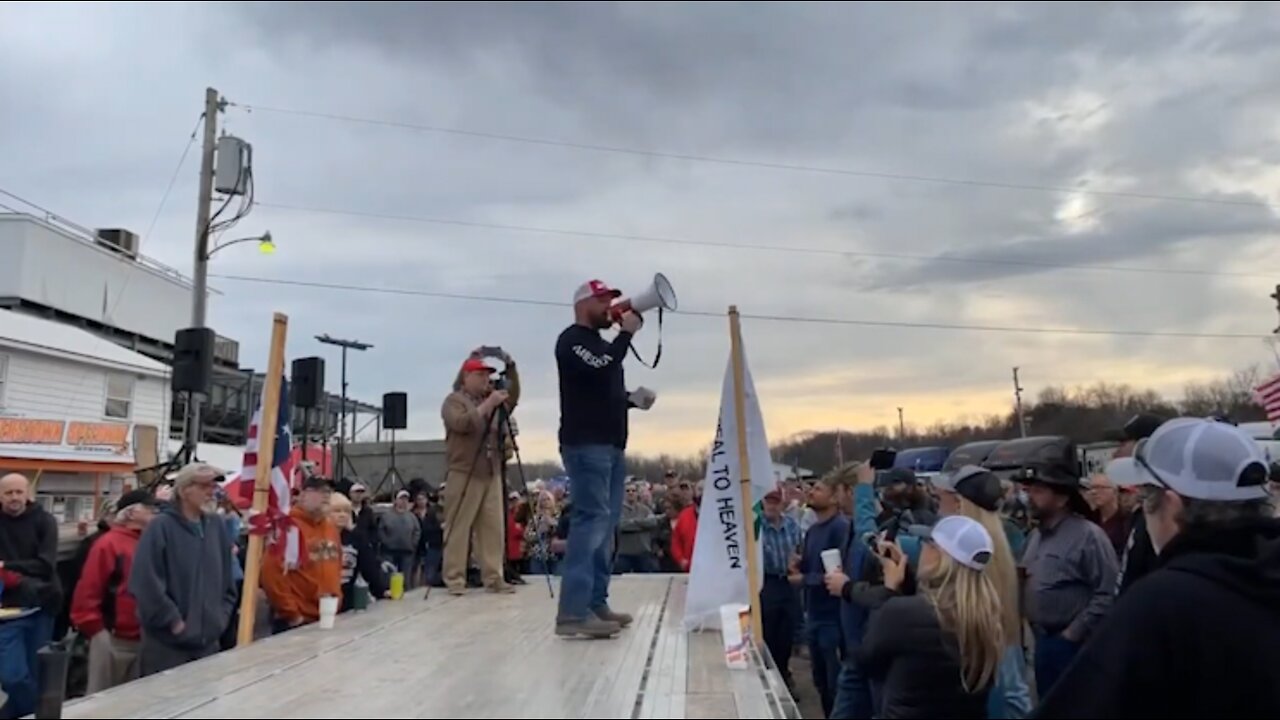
(296, 593)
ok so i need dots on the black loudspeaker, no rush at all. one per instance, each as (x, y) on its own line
(193, 360)
(395, 411)
(308, 382)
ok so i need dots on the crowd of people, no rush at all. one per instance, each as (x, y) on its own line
(159, 583)
(1143, 591)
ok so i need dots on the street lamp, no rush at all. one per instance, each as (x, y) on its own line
(337, 469)
(266, 245)
(199, 309)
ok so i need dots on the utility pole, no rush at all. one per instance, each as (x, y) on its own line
(1017, 397)
(199, 285)
(342, 413)
(902, 428)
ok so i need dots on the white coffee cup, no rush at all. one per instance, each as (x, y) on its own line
(328, 611)
(831, 560)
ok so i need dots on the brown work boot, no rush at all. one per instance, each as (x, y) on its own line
(501, 589)
(622, 619)
(592, 627)
(457, 591)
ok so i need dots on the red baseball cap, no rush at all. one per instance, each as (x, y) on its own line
(477, 365)
(594, 289)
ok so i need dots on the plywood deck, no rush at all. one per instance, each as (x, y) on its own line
(479, 656)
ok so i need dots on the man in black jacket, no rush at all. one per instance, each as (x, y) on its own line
(28, 572)
(1138, 557)
(1200, 635)
(593, 436)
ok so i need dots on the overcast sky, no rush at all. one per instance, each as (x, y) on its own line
(1178, 100)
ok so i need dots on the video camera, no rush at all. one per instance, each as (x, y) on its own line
(497, 353)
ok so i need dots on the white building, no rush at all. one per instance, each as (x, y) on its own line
(101, 281)
(73, 407)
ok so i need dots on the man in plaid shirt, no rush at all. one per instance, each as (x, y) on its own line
(780, 537)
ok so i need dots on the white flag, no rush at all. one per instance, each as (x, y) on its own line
(718, 575)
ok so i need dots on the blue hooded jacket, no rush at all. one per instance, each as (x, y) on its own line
(853, 618)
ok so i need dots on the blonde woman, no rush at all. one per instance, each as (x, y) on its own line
(937, 652)
(976, 493)
(540, 534)
(357, 553)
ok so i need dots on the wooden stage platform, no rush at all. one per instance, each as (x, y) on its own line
(479, 656)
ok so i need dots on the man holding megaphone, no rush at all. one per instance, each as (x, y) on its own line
(594, 402)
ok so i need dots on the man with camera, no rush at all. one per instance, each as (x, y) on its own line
(474, 424)
(593, 437)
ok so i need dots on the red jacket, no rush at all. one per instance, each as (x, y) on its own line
(682, 537)
(101, 600)
(515, 538)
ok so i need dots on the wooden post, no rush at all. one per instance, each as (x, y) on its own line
(744, 470)
(262, 480)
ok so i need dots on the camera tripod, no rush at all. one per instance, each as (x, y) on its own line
(504, 433)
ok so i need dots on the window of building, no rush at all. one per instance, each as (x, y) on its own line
(119, 396)
(67, 509)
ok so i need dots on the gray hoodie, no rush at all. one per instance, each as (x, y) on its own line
(399, 531)
(636, 529)
(182, 571)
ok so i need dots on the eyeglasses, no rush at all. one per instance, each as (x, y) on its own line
(1140, 458)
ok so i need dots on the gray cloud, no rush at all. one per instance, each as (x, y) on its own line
(1166, 99)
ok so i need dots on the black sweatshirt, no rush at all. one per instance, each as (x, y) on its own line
(1194, 638)
(593, 391)
(29, 548)
(906, 648)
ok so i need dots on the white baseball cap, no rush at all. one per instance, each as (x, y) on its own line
(594, 289)
(1197, 458)
(962, 538)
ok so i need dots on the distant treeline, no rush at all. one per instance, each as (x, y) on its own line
(1083, 414)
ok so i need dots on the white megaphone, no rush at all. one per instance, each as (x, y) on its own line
(659, 295)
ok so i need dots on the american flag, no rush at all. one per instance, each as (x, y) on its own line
(1268, 394)
(281, 463)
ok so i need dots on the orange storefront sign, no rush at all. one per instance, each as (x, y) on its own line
(21, 431)
(101, 434)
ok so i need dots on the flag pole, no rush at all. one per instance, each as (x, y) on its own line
(744, 470)
(262, 479)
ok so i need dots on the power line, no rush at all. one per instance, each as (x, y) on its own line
(793, 167)
(750, 316)
(755, 247)
(174, 178)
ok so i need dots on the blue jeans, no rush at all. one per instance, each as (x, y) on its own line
(432, 564)
(538, 566)
(825, 640)
(19, 669)
(1010, 698)
(635, 564)
(1053, 654)
(402, 559)
(853, 693)
(597, 477)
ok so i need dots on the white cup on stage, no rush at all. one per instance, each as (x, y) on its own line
(831, 560)
(328, 611)
(735, 631)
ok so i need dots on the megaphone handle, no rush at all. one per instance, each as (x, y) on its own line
(657, 356)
